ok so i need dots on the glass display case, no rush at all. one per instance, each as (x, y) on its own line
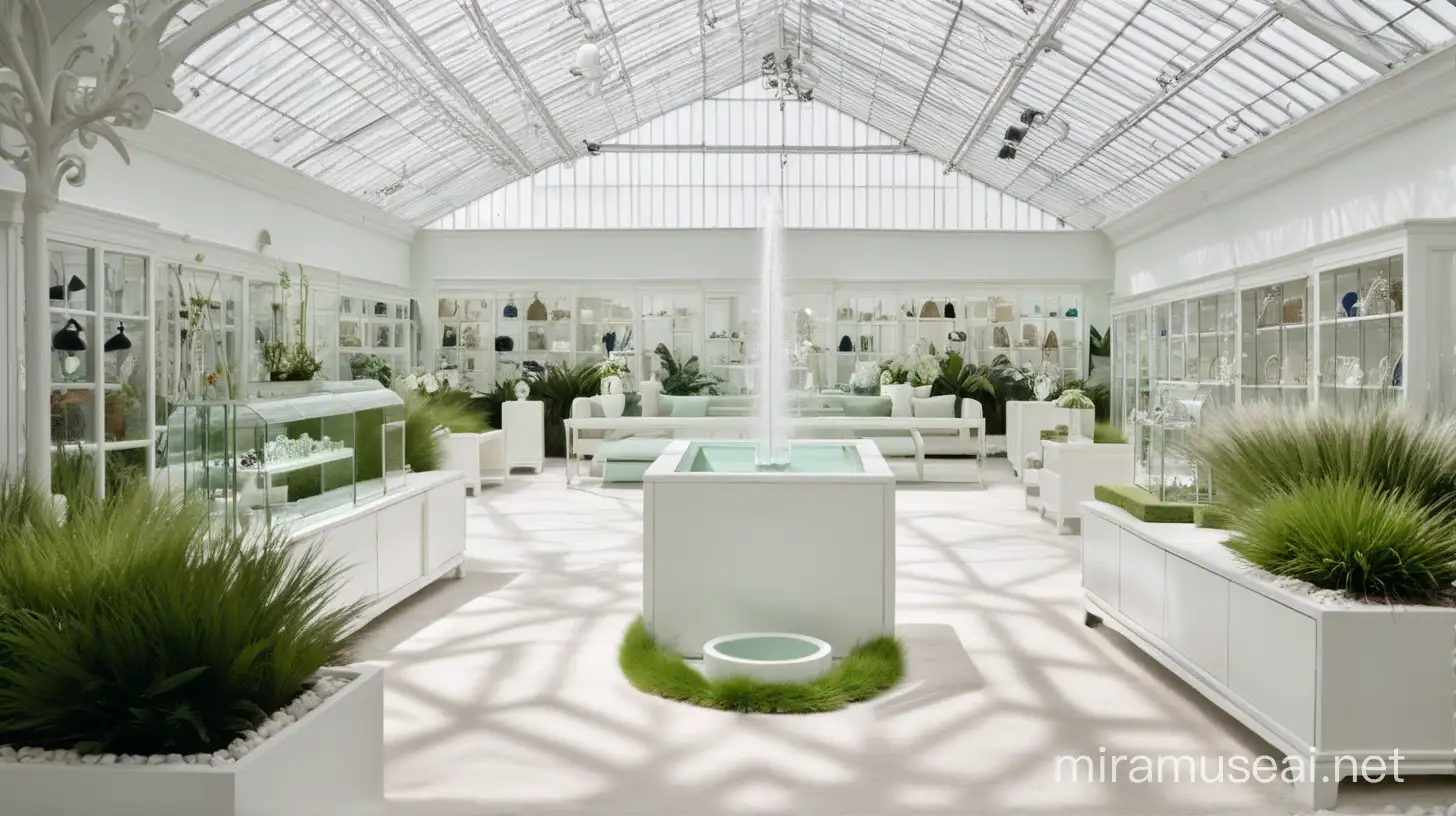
(670, 320)
(1275, 353)
(1362, 332)
(467, 331)
(1162, 435)
(372, 332)
(270, 461)
(726, 318)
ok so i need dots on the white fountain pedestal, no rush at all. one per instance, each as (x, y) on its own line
(807, 553)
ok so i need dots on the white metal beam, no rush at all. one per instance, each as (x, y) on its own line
(497, 45)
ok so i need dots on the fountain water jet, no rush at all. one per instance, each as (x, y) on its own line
(772, 437)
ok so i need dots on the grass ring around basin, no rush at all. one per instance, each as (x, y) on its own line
(866, 672)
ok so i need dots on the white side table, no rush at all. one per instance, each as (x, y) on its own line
(524, 422)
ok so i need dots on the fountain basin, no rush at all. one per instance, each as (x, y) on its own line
(769, 657)
(807, 549)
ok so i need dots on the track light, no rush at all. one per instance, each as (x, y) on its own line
(1032, 116)
(1007, 151)
(1015, 134)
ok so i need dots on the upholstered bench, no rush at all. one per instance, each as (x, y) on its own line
(626, 460)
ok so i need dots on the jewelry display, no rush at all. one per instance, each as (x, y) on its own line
(286, 449)
(1377, 300)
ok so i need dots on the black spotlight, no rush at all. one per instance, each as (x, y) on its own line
(1015, 134)
(1031, 116)
(1007, 151)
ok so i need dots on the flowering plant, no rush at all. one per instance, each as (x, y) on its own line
(430, 383)
(922, 363)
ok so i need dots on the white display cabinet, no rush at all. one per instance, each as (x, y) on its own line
(369, 326)
(671, 319)
(606, 324)
(467, 336)
(1340, 325)
(103, 378)
(728, 319)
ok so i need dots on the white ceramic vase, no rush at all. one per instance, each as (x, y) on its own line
(612, 384)
(612, 404)
(921, 391)
(899, 395)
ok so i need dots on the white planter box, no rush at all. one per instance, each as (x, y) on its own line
(329, 762)
(1331, 683)
(805, 553)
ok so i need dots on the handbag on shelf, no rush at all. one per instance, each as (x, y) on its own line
(505, 343)
(956, 337)
(1294, 310)
(1000, 338)
(1003, 312)
(950, 312)
(1028, 335)
(537, 309)
(1051, 340)
(930, 310)
(381, 309)
(845, 344)
(450, 339)
(447, 308)
(509, 312)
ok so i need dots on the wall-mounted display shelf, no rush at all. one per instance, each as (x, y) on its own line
(1362, 332)
(103, 381)
(836, 330)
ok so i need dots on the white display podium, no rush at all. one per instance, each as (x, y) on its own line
(524, 422)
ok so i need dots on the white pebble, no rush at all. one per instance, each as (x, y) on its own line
(48, 756)
(27, 753)
(157, 759)
(90, 759)
(214, 762)
(238, 752)
(108, 759)
(174, 759)
(70, 757)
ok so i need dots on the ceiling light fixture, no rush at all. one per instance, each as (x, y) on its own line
(789, 77)
(1015, 133)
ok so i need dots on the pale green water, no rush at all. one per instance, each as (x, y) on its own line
(767, 648)
(729, 457)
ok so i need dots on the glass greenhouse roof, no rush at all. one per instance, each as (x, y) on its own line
(424, 106)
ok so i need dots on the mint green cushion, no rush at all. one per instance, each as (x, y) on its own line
(730, 410)
(664, 405)
(689, 407)
(942, 407)
(866, 406)
(624, 472)
(636, 449)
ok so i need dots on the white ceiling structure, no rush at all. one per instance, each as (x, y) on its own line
(422, 106)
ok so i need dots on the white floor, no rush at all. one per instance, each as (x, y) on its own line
(505, 697)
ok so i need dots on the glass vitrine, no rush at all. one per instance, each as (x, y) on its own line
(467, 336)
(1274, 364)
(270, 461)
(1164, 463)
(1362, 333)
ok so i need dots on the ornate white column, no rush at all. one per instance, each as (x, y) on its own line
(71, 71)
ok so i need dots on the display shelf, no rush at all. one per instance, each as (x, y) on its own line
(301, 463)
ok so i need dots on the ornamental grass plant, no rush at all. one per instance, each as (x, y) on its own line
(1361, 501)
(130, 629)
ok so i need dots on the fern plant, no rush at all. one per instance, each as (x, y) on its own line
(130, 629)
(963, 380)
(687, 379)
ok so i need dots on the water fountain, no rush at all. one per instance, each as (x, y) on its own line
(768, 535)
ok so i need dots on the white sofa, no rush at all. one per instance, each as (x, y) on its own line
(1026, 419)
(480, 457)
(1070, 471)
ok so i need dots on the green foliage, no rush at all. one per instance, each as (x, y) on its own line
(1108, 434)
(1259, 450)
(130, 629)
(1213, 517)
(489, 403)
(1337, 533)
(558, 386)
(867, 671)
(687, 379)
(73, 472)
(424, 450)
(1074, 398)
(1100, 395)
(963, 380)
(1142, 505)
(371, 367)
(1099, 343)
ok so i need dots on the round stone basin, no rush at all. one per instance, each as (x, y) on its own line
(771, 657)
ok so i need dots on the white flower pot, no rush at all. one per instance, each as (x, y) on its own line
(769, 657)
(330, 761)
(899, 395)
(921, 391)
(612, 385)
(612, 404)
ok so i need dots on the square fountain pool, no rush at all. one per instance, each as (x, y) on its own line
(731, 457)
(808, 549)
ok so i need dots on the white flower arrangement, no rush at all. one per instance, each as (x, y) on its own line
(432, 382)
(922, 363)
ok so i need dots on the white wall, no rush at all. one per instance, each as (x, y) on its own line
(208, 207)
(732, 254)
(1408, 175)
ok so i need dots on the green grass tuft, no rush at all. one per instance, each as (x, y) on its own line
(129, 629)
(1142, 505)
(867, 671)
(1341, 534)
(1108, 434)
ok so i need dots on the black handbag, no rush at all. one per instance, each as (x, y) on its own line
(71, 337)
(950, 310)
(450, 340)
(845, 344)
(380, 308)
(510, 311)
(118, 341)
(505, 343)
